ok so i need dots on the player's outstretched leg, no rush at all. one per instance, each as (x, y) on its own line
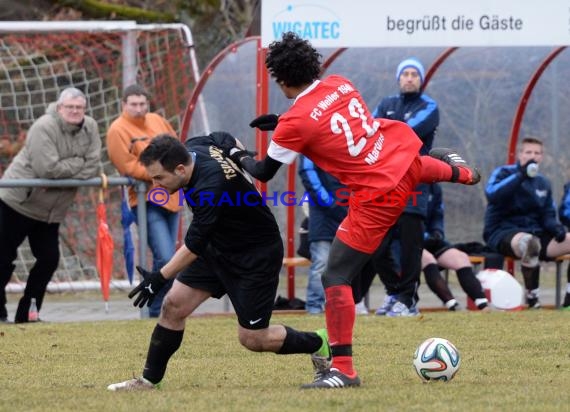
(461, 172)
(163, 344)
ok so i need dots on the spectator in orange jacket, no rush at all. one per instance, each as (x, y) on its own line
(127, 137)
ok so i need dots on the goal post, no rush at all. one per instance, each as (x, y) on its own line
(40, 59)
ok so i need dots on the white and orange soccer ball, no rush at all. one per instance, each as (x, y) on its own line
(436, 359)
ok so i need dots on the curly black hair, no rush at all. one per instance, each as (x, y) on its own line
(293, 61)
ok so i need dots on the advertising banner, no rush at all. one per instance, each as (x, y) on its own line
(434, 23)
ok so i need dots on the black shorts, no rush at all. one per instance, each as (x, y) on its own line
(250, 280)
(506, 249)
(437, 247)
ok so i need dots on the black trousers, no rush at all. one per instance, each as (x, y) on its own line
(44, 244)
(410, 233)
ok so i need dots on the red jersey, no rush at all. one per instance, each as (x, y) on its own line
(330, 124)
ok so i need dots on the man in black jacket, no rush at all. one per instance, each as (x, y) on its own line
(421, 113)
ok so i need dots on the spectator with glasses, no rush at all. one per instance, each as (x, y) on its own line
(64, 143)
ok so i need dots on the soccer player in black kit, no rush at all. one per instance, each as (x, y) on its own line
(233, 245)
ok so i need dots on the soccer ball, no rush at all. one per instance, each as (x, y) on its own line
(436, 359)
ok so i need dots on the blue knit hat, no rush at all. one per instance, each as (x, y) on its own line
(411, 62)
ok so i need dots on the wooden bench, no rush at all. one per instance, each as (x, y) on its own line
(290, 263)
(476, 261)
(296, 261)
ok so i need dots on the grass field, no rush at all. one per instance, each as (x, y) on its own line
(510, 361)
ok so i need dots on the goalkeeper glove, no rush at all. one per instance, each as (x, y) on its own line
(265, 122)
(148, 288)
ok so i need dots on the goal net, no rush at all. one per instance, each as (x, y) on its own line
(38, 60)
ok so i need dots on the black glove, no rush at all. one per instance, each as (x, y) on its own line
(435, 235)
(560, 234)
(236, 154)
(148, 288)
(529, 172)
(265, 122)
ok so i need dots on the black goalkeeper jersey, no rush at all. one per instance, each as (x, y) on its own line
(229, 214)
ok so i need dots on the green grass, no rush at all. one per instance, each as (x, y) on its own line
(510, 361)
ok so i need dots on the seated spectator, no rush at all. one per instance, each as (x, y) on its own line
(564, 214)
(493, 260)
(439, 253)
(520, 220)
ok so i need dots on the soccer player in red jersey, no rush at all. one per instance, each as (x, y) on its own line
(378, 159)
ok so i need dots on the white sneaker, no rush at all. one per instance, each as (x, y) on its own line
(361, 308)
(452, 305)
(135, 384)
(386, 307)
(400, 310)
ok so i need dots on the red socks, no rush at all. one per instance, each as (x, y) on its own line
(340, 316)
(434, 170)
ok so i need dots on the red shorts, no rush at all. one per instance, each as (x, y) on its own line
(371, 215)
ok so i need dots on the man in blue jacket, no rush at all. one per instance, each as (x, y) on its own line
(564, 214)
(421, 113)
(328, 206)
(520, 220)
(325, 215)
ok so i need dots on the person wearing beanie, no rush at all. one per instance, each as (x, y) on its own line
(411, 105)
(421, 113)
(413, 63)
